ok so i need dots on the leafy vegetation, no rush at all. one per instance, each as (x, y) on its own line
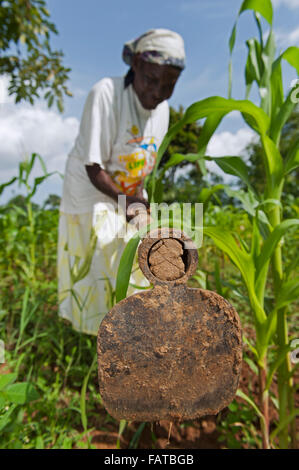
(26, 54)
(48, 386)
(270, 286)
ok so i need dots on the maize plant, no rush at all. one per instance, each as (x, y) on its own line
(261, 263)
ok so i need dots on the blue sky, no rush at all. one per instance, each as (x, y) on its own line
(92, 34)
(92, 37)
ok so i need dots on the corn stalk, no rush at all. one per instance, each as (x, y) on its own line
(263, 257)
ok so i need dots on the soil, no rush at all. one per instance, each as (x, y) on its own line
(165, 260)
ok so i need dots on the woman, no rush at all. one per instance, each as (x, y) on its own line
(123, 123)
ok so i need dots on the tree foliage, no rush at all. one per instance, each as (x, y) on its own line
(26, 56)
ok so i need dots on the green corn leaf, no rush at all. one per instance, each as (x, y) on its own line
(281, 354)
(206, 193)
(253, 69)
(208, 107)
(276, 90)
(283, 423)
(248, 199)
(292, 158)
(35, 156)
(21, 393)
(281, 111)
(256, 239)
(270, 244)
(257, 18)
(38, 181)
(232, 38)
(269, 327)
(288, 293)
(210, 125)
(244, 262)
(233, 166)
(125, 268)
(3, 186)
(291, 55)
(263, 7)
(274, 166)
(267, 56)
(281, 117)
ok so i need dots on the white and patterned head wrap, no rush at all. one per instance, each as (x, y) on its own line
(159, 46)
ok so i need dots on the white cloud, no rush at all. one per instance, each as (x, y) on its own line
(287, 38)
(228, 143)
(224, 144)
(26, 129)
(291, 4)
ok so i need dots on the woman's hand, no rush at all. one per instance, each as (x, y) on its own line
(104, 183)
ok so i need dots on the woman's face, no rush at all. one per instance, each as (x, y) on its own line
(153, 83)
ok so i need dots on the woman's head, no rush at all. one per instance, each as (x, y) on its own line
(156, 60)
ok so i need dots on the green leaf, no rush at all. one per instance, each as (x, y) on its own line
(259, 7)
(208, 107)
(288, 293)
(263, 7)
(274, 165)
(244, 262)
(281, 111)
(125, 268)
(283, 423)
(233, 166)
(267, 57)
(281, 354)
(271, 242)
(292, 159)
(122, 426)
(83, 394)
(5, 419)
(232, 38)
(7, 379)
(210, 125)
(21, 393)
(3, 186)
(247, 198)
(250, 402)
(253, 69)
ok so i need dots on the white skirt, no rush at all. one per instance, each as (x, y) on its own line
(89, 251)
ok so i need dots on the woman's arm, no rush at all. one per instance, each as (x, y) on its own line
(104, 183)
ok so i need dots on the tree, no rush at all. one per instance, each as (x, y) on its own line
(26, 55)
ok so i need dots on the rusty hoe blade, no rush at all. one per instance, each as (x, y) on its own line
(171, 352)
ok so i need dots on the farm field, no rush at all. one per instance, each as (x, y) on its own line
(49, 394)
